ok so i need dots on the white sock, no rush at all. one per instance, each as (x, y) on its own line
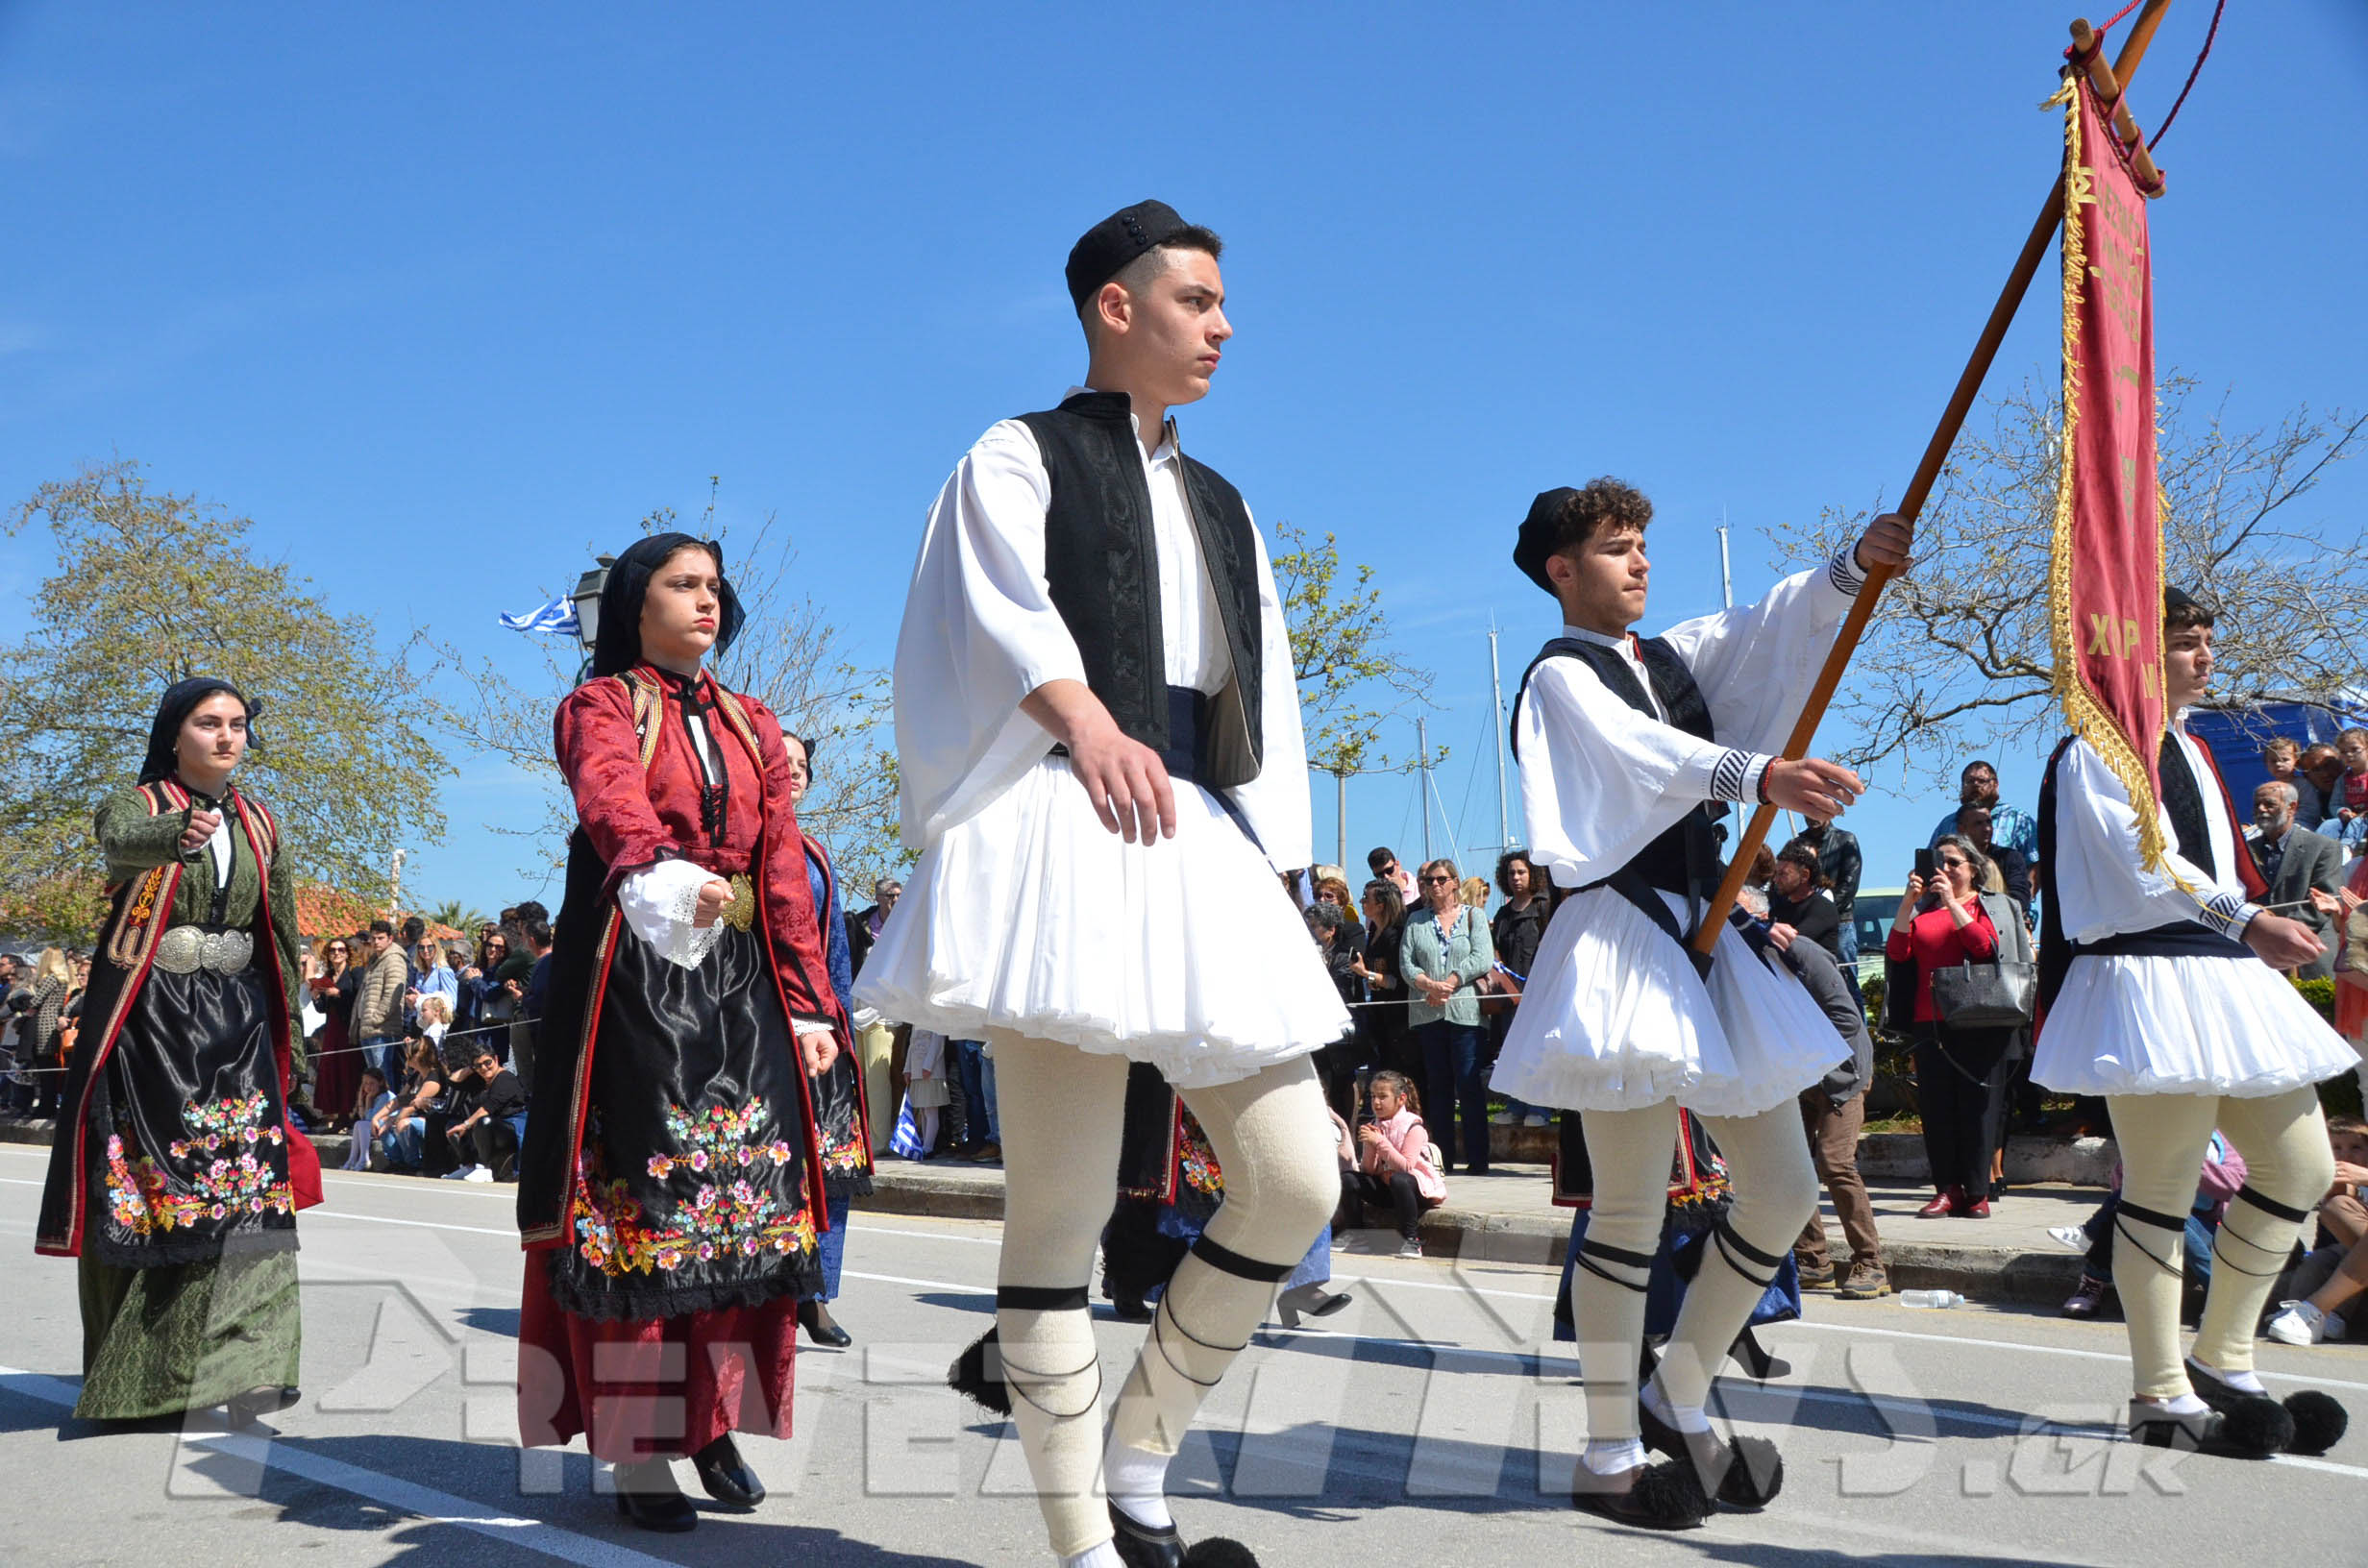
(1612, 1456)
(1684, 1417)
(2245, 1383)
(1137, 1480)
(2183, 1405)
(1104, 1556)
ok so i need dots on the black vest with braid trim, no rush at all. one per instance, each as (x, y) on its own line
(1101, 567)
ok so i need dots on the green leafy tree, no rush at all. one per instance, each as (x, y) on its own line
(1350, 680)
(148, 588)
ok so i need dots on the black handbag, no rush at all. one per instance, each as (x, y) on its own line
(1997, 996)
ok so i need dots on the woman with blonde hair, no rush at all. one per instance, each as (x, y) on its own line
(1444, 951)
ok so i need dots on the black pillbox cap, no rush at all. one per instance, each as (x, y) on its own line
(1106, 248)
(1538, 529)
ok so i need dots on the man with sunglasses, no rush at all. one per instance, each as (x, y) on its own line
(495, 1122)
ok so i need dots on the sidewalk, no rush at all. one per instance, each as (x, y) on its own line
(1507, 1216)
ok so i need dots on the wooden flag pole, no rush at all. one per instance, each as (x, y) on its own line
(1927, 474)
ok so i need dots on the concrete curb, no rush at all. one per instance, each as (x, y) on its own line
(2001, 1274)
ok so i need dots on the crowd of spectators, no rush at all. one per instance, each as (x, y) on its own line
(422, 1047)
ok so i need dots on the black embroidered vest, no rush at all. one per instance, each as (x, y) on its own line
(1102, 568)
(1684, 859)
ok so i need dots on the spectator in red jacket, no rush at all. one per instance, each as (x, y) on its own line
(1960, 1073)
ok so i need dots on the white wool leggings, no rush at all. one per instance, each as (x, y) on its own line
(2288, 1168)
(1062, 1112)
(1775, 1186)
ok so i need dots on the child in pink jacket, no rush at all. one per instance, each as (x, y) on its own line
(1388, 1163)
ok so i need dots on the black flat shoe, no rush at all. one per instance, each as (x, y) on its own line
(2318, 1419)
(1129, 1307)
(2252, 1430)
(1744, 1473)
(1311, 1300)
(821, 1327)
(1140, 1546)
(1664, 1496)
(245, 1409)
(726, 1475)
(650, 1500)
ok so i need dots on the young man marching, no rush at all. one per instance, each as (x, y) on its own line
(1098, 733)
(1627, 751)
(2160, 991)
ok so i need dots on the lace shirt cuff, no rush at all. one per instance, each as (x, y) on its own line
(661, 902)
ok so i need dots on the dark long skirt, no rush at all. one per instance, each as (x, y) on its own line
(691, 1237)
(188, 1337)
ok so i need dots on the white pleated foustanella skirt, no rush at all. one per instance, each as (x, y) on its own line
(2164, 1024)
(1615, 1017)
(1032, 917)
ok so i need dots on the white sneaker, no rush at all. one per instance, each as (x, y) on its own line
(478, 1173)
(459, 1175)
(2070, 1236)
(1409, 1248)
(1534, 1119)
(2299, 1323)
(1505, 1119)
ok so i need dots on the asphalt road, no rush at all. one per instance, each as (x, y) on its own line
(1432, 1422)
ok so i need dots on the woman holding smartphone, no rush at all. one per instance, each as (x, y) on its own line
(1960, 1073)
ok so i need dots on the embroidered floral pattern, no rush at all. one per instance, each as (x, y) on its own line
(1196, 1162)
(846, 1156)
(726, 1214)
(232, 1177)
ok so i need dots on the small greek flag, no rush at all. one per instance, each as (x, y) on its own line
(558, 617)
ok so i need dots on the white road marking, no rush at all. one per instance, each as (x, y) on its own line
(404, 1496)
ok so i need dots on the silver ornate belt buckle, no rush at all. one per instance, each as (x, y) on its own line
(184, 949)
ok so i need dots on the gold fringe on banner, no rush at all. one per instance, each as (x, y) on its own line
(2089, 719)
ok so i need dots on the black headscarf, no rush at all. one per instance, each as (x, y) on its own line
(619, 645)
(179, 701)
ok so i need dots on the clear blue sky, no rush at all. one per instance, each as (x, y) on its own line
(444, 295)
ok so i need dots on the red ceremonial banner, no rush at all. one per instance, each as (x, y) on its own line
(2104, 588)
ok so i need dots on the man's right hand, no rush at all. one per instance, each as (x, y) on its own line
(2283, 943)
(1123, 778)
(1812, 786)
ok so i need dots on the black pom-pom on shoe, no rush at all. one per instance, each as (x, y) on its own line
(1219, 1552)
(1665, 1496)
(1755, 1474)
(1746, 1473)
(977, 1375)
(2319, 1422)
(2258, 1425)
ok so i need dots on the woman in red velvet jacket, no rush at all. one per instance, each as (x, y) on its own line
(669, 1189)
(1960, 1073)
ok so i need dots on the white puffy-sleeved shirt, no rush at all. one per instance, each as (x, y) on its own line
(980, 633)
(1600, 781)
(2102, 886)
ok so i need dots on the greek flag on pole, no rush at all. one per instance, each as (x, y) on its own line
(558, 617)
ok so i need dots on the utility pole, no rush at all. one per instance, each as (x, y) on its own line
(394, 887)
(1726, 571)
(1422, 753)
(1341, 816)
(1496, 691)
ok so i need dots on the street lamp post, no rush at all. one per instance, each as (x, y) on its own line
(586, 598)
